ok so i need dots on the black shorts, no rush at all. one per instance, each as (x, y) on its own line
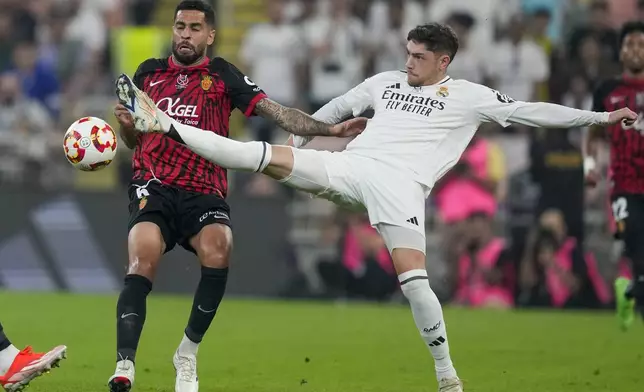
(628, 211)
(179, 213)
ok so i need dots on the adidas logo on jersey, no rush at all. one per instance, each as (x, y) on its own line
(413, 221)
(396, 86)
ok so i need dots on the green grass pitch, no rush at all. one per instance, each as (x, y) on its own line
(262, 346)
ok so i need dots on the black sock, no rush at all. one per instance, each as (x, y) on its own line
(207, 298)
(4, 340)
(130, 315)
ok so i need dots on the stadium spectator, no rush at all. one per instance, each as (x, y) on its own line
(38, 79)
(517, 63)
(6, 41)
(556, 165)
(555, 272)
(470, 63)
(364, 268)
(640, 10)
(493, 16)
(337, 44)
(548, 16)
(25, 134)
(597, 24)
(272, 53)
(588, 63)
(540, 21)
(388, 24)
(474, 185)
(485, 271)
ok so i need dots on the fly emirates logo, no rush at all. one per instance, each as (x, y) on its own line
(411, 103)
(186, 114)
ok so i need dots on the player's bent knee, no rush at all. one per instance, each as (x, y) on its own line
(213, 245)
(145, 248)
(407, 246)
(281, 161)
(406, 259)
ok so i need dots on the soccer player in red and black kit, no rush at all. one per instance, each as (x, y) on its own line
(626, 142)
(178, 197)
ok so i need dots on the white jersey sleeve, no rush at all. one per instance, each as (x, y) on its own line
(355, 101)
(493, 106)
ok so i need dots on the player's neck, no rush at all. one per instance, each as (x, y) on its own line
(434, 80)
(182, 65)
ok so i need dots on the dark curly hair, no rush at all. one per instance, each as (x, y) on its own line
(436, 37)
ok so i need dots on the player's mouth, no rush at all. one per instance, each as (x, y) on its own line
(185, 49)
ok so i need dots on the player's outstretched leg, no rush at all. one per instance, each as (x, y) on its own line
(227, 153)
(409, 261)
(145, 247)
(18, 368)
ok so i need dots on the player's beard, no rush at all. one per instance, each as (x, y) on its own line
(187, 59)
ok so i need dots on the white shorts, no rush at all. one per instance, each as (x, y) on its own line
(358, 183)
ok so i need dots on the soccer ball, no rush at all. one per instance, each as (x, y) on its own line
(90, 144)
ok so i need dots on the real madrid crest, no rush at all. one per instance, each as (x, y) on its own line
(442, 91)
(143, 203)
(206, 82)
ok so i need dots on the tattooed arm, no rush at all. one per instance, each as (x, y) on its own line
(293, 120)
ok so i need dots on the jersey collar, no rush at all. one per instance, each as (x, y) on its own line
(202, 63)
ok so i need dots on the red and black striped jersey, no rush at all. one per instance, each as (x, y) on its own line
(626, 142)
(202, 95)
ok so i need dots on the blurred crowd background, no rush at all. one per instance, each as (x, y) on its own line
(510, 225)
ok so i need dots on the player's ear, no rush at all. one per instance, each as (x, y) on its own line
(211, 37)
(444, 61)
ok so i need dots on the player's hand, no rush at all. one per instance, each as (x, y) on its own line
(124, 117)
(349, 128)
(624, 114)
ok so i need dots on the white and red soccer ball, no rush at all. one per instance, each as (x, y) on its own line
(90, 144)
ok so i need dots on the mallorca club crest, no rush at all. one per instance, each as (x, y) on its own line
(182, 82)
(206, 82)
(143, 203)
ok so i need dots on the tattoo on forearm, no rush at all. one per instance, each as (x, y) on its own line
(292, 120)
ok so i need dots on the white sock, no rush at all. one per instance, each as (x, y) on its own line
(428, 315)
(6, 358)
(188, 347)
(225, 152)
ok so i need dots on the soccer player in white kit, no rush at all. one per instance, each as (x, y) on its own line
(423, 122)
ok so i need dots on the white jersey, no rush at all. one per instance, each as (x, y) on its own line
(424, 130)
